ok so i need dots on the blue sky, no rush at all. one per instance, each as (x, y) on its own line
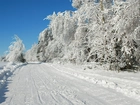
(25, 19)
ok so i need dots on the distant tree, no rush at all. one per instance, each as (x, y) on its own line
(16, 51)
(31, 54)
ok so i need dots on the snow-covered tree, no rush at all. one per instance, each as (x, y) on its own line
(106, 31)
(31, 54)
(63, 26)
(61, 30)
(16, 51)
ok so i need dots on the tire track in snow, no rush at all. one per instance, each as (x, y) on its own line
(81, 101)
(16, 71)
(36, 89)
(64, 92)
(53, 91)
(48, 86)
(101, 83)
(124, 89)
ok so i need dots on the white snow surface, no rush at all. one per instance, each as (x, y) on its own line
(6, 70)
(57, 84)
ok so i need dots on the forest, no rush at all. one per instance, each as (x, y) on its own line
(102, 31)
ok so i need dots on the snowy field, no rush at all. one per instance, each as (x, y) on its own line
(56, 84)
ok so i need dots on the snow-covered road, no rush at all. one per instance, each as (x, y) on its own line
(43, 84)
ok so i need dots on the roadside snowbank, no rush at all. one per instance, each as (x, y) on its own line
(6, 69)
(126, 83)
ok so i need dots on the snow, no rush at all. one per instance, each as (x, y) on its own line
(103, 33)
(123, 82)
(58, 84)
(6, 70)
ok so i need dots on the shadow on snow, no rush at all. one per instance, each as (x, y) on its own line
(4, 86)
(3, 90)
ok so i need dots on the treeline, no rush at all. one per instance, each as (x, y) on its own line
(101, 31)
